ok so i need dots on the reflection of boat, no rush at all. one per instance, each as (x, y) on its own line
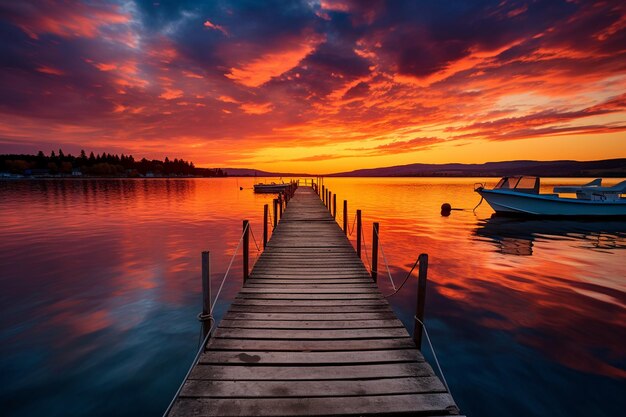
(271, 188)
(520, 195)
(517, 236)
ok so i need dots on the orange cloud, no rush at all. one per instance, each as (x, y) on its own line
(50, 70)
(262, 69)
(208, 24)
(78, 20)
(254, 108)
(171, 94)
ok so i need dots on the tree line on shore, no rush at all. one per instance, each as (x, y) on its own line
(100, 165)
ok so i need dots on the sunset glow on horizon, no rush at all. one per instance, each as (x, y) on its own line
(315, 86)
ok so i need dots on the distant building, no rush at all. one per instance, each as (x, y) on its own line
(77, 173)
(149, 174)
(37, 172)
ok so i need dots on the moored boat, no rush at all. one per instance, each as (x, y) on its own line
(519, 195)
(272, 188)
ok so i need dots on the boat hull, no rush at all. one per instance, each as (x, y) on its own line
(516, 203)
(270, 188)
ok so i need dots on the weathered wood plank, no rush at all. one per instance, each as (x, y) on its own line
(303, 296)
(248, 389)
(311, 325)
(387, 315)
(314, 303)
(288, 373)
(309, 308)
(416, 404)
(309, 358)
(311, 334)
(310, 345)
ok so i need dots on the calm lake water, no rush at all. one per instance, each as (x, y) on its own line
(100, 287)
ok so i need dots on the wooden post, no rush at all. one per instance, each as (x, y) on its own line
(280, 208)
(334, 206)
(345, 217)
(323, 195)
(275, 212)
(375, 252)
(358, 233)
(246, 249)
(206, 317)
(265, 213)
(421, 299)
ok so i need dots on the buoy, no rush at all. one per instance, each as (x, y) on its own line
(240, 188)
(446, 209)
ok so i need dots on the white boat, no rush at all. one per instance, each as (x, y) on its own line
(272, 188)
(520, 195)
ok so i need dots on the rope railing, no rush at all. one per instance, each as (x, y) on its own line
(385, 259)
(219, 291)
(353, 224)
(258, 249)
(203, 318)
(396, 290)
(365, 248)
(432, 349)
(210, 317)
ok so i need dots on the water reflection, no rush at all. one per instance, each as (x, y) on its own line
(100, 290)
(515, 236)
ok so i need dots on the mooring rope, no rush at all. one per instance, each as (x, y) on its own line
(432, 349)
(385, 259)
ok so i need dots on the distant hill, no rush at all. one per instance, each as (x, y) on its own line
(246, 172)
(564, 168)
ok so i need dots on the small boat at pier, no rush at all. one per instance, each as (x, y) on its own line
(272, 188)
(519, 195)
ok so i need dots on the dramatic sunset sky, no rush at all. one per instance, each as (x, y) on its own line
(315, 86)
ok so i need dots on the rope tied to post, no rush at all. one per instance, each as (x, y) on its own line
(365, 249)
(432, 349)
(385, 259)
(417, 261)
(353, 223)
(258, 249)
(232, 259)
(203, 317)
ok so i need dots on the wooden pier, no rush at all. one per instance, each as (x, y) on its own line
(310, 334)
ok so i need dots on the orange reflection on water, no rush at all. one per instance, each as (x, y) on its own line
(539, 280)
(113, 254)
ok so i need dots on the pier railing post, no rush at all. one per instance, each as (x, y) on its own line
(375, 252)
(421, 299)
(345, 217)
(246, 249)
(359, 233)
(265, 215)
(334, 206)
(206, 317)
(275, 212)
(280, 209)
(323, 195)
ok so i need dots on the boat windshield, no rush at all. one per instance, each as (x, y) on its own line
(523, 184)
